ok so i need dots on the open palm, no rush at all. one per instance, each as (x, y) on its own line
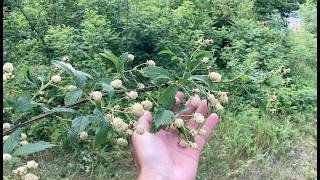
(158, 156)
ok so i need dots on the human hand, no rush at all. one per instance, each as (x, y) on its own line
(158, 156)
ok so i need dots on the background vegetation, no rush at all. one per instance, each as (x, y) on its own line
(249, 36)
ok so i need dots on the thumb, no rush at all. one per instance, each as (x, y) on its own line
(145, 120)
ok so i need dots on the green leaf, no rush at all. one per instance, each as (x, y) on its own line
(202, 78)
(167, 98)
(274, 81)
(61, 109)
(162, 118)
(24, 104)
(166, 51)
(202, 54)
(107, 88)
(157, 73)
(10, 101)
(32, 148)
(67, 67)
(182, 108)
(73, 96)
(80, 123)
(113, 58)
(12, 141)
(101, 132)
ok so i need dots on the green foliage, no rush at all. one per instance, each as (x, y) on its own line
(32, 148)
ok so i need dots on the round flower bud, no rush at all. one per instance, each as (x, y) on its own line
(137, 109)
(6, 126)
(211, 97)
(122, 142)
(202, 132)
(199, 118)
(23, 143)
(20, 171)
(83, 135)
(5, 138)
(147, 105)
(96, 95)
(7, 157)
(23, 136)
(223, 97)
(132, 94)
(108, 116)
(205, 60)
(273, 97)
(30, 176)
(151, 63)
(139, 130)
(178, 123)
(116, 107)
(71, 87)
(129, 132)
(8, 67)
(140, 86)
(56, 79)
(197, 91)
(215, 77)
(122, 127)
(32, 164)
(65, 59)
(195, 100)
(130, 57)
(117, 122)
(194, 145)
(183, 143)
(219, 107)
(116, 83)
(5, 77)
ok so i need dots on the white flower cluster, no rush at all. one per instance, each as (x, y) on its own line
(215, 77)
(6, 157)
(65, 59)
(71, 87)
(56, 79)
(130, 57)
(195, 100)
(205, 60)
(132, 94)
(83, 135)
(202, 41)
(116, 84)
(6, 126)
(95, 95)
(150, 63)
(22, 171)
(140, 86)
(7, 71)
(5, 138)
(215, 103)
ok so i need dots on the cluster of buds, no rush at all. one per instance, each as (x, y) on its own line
(70, 87)
(202, 41)
(83, 135)
(214, 77)
(273, 97)
(216, 103)
(56, 79)
(130, 57)
(96, 95)
(286, 81)
(205, 60)
(150, 63)
(117, 84)
(65, 59)
(22, 171)
(282, 70)
(140, 86)
(7, 71)
(6, 126)
(132, 95)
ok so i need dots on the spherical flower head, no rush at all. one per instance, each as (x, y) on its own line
(32, 164)
(215, 77)
(139, 130)
(129, 132)
(151, 63)
(83, 135)
(71, 87)
(23, 136)
(223, 97)
(130, 57)
(116, 107)
(116, 84)
(194, 145)
(137, 109)
(7, 157)
(132, 94)
(214, 102)
(23, 142)
(183, 143)
(6, 126)
(5, 77)
(195, 100)
(96, 95)
(20, 171)
(205, 60)
(122, 142)
(273, 97)
(140, 86)
(65, 59)
(219, 107)
(121, 127)
(196, 91)
(147, 105)
(5, 138)
(178, 123)
(56, 79)
(199, 118)
(211, 97)
(30, 176)
(202, 132)
(117, 122)
(8, 67)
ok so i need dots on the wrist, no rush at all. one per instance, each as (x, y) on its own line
(146, 174)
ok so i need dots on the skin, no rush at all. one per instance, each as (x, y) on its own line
(158, 156)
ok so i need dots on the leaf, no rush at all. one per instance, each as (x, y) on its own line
(274, 81)
(80, 123)
(12, 141)
(32, 148)
(73, 96)
(61, 109)
(10, 101)
(107, 88)
(67, 67)
(166, 51)
(167, 98)
(162, 118)
(24, 104)
(101, 132)
(157, 73)
(182, 108)
(202, 54)
(113, 58)
(202, 78)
